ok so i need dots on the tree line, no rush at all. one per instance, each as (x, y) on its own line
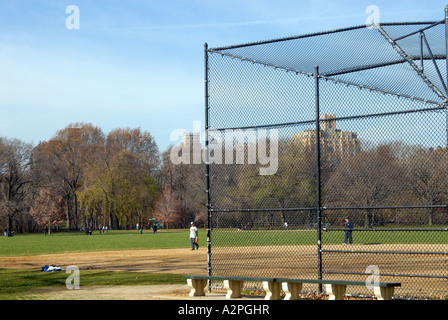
(83, 178)
(396, 174)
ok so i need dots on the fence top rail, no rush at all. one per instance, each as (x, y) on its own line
(355, 65)
(256, 43)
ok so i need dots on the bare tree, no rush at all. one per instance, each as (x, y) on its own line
(167, 207)
(371, 178)
(48, 209)
(188, 183)
(15, 178)
(64, 158)
(427, 175)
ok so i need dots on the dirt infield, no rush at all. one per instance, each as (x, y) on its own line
(176, 261)
(341, 261)
(186, 261)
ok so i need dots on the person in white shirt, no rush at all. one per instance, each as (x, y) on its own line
(194, 236)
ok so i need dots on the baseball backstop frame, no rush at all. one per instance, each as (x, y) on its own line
(387, 81)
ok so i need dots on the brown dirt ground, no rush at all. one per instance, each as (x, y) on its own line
(175, 261)
(186, 261)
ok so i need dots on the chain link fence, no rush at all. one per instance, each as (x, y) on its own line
(306, 131)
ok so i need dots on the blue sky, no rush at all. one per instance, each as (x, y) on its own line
(139, 63)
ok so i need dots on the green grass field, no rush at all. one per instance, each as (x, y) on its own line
(62, 242)
(230, 237)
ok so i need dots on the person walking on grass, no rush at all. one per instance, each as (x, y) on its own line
(193, 236)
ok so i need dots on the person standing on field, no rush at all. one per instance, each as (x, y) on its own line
(193, 236)
(348, 227)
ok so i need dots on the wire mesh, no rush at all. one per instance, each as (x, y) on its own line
(293, 153)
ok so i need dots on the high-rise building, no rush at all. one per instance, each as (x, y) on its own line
(191, 139)
(191, 147)
(335, 144)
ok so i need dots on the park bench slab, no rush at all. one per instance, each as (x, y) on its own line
(336, 288)
(292, 287)
(233, 285)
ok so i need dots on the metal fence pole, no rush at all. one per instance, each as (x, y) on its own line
(318, 193)
(446, 41)
(207, 170)
(446, 61)
(421, 52)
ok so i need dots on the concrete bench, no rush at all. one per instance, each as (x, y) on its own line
(336, 288)
(233, 285)
(291, 287)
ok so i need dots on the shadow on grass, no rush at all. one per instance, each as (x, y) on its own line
(15, 282)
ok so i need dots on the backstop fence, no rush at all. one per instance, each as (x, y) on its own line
(306, 131)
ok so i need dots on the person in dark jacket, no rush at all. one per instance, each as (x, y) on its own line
(348, 227)
(154, 228)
